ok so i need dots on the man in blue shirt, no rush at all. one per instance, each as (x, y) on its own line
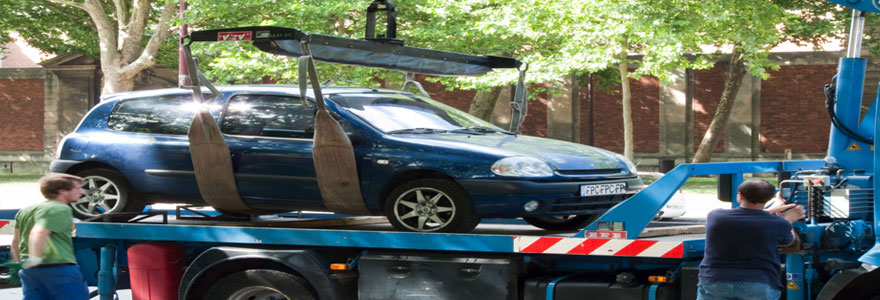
(742, 256)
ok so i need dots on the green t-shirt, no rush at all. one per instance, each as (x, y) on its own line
(52, 215)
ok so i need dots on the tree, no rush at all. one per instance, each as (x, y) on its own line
(663, 32)
(751, 28)
(114, 32)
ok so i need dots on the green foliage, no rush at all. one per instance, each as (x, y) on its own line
(556, 37)
(51, 27)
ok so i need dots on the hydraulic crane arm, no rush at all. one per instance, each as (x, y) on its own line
(872, 6)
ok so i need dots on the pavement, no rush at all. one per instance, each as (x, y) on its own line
(18, 195)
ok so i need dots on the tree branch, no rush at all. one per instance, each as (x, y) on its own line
(132, 34)
(106, 36)
(160, 33)
(121, 13)
(69, 3)
(54, 7)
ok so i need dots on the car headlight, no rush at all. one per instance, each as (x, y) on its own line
(521, 167)
(629, 164)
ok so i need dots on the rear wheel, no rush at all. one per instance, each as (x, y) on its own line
(431, 205)
(105, 191)
(261, 284)
(570, 222)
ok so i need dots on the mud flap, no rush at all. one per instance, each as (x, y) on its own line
(332, 153)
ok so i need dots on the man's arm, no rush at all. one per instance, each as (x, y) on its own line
(13, 249)
(793, 215)
(37, 241)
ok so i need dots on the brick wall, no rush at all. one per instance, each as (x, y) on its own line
(21, 122)
(708, 86)
(536, 118)
(792, 109)
(535, 123)
(460, 99)
(607, 124)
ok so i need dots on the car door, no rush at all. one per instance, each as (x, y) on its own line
(155, 157)
(270, 138)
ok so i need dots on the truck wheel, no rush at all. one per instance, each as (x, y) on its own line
(431, 205)
(261, 284)
(105, 191)
(570, 222)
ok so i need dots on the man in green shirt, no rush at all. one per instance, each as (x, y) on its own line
(42, 242)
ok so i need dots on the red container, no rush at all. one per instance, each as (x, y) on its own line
(155, 270)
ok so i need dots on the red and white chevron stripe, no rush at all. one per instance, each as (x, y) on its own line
(592, 246)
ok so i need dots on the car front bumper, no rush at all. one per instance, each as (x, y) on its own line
(61, 165)
(507, 198)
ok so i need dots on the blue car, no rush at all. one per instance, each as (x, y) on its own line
(425, 165)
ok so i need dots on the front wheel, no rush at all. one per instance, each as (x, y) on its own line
(570, 222)
(431, 205)
(261, 284)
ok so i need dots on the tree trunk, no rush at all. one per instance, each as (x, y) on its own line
(484, 103)
(626, 102)
(733, 77)
(114, 82)
(122, 52)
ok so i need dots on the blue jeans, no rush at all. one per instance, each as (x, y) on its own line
(737, 291)
(61, 282)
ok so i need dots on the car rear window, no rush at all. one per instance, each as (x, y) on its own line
(164, 114)
(270, 116)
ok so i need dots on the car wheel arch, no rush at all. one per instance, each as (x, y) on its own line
(87, 165)
(410, 175)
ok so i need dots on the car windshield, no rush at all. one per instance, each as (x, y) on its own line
(406, 113)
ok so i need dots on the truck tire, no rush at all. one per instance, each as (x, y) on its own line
(570, 222)
(105, 191)
(431, 205)
(259, 284)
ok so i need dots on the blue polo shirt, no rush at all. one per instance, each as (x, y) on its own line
(742, 245)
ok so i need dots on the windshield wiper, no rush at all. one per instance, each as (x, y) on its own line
(474, 129)
(419, 130)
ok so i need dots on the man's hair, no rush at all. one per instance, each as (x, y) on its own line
(757, 191)
(52, 183)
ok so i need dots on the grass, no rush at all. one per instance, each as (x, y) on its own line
(709, 184)
(19, 178)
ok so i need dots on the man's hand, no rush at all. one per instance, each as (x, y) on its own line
(779, 205)
(31, 262)
(791, 212)
(794, 214)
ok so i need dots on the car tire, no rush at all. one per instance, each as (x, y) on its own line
(261, 284)
(570, 222)
(431, 205)
(105, 191)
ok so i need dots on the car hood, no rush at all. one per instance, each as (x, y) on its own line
(559, 154)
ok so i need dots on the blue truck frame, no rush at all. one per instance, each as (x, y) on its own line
(104, 244)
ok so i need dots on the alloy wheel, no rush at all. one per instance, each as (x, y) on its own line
(100, 196)
(424, 209)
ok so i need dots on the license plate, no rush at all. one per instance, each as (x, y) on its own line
(603, 189)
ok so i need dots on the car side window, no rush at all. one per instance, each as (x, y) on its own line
(164, 114)
(270, 116)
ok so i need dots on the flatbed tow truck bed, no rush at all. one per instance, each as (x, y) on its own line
(320, 230)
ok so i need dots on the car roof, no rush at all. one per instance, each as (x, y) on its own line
(251, 88)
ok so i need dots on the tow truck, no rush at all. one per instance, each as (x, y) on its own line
(616, 256)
